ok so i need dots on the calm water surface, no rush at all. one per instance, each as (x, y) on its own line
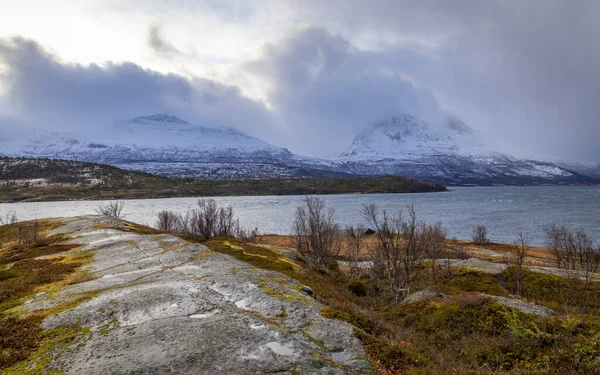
(503, 210)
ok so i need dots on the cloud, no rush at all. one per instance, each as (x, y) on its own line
(526, 72)
(159, 44)
(326, 90)
(53, 95)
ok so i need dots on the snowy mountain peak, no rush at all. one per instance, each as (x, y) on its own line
(161, 117)
(401, 137)
(402, 129)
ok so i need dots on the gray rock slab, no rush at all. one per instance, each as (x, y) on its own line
(161, 305)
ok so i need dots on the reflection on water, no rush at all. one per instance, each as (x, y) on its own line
(504, 210)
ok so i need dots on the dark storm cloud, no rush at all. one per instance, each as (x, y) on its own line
(528, 71)
(326, 90)
(524, 72)
(159, 44)
(53, 95)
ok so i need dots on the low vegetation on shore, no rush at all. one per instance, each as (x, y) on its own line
(417, 304)
(415, 308)
(47, 180)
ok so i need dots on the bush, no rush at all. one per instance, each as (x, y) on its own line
(208, 220)
(480, 235)
(359, 288)
(112, 209)
(169, 221)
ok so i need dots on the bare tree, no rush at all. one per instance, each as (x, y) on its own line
(480, 235)
(209, 220)
(400, 247)
(316, 233)
(434, 243)
(355, 244)
(574, 251)
(169, 221)
(515, 261)
(226, 225)
(113, 209)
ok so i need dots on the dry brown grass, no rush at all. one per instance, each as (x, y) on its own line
(500, 248)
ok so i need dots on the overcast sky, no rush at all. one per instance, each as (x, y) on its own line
(309, 74)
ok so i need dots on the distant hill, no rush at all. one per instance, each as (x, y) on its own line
(24, 179)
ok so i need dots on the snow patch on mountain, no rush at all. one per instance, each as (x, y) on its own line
(405, 137)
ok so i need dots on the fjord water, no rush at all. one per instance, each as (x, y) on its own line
(503, 210)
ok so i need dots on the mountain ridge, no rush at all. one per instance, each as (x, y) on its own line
(451, 153)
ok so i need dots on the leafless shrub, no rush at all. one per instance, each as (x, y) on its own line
(112, 209)
(28, 234)
(315, 230)
(226, 226)
(480, 235)
(401, 245)
(356, 243)
(574, 251)
(209, 220)
(9, 217)
(169, 221)
(252, 236)
(204, 218)
(515, 262)
(434, 238)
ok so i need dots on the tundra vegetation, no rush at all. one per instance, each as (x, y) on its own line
(369, 277)
(459, 323)
(28, 266)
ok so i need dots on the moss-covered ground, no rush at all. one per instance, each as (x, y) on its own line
(465, 333)
(29, 265)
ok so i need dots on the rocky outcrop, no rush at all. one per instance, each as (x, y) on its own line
(524, 307)
(156, 304)
(422, 295)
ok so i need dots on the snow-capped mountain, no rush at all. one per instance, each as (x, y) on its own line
(406, 137)
(452, 153)
(168, 145)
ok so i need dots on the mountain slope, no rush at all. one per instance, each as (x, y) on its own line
(170, 146)
(450, 154)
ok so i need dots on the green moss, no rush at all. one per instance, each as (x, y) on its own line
(559, 293)
(358, 320)
(469, 281)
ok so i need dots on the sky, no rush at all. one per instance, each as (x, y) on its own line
(309, 75)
